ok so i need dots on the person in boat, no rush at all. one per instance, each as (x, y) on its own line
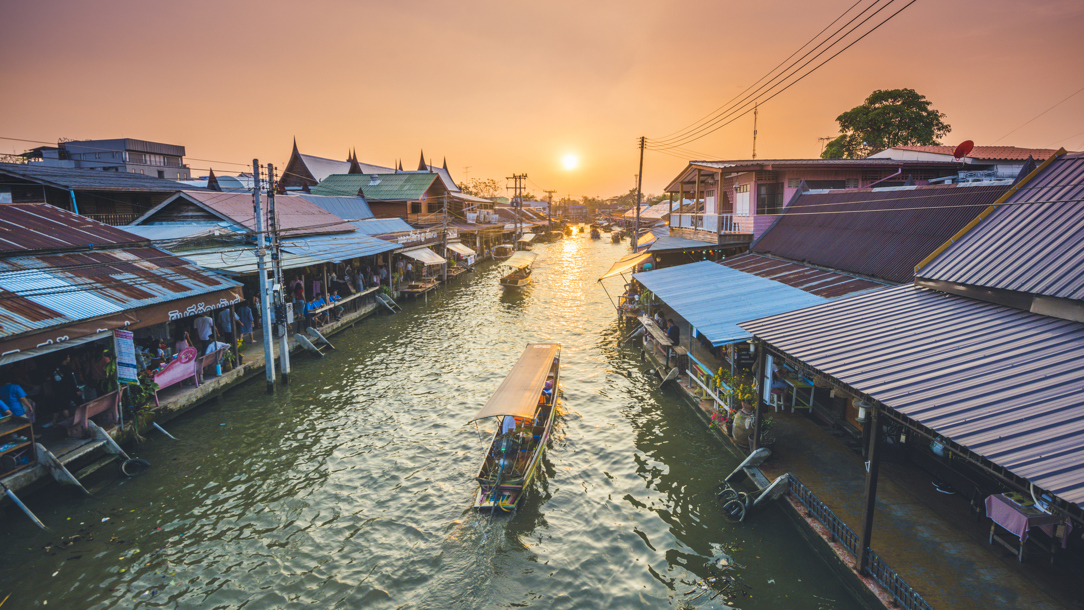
(742, 429)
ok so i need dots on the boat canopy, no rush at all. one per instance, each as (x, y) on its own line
(645, 239)
(461, 249)
(519, 392)
(521, 259)
(629, 261)
(527, 237)
(425, 255)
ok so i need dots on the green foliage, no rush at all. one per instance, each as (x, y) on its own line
(487, 188)
(895, 117)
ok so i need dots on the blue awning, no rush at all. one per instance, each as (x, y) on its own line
(672, 242)
(338, 248)
(714, 298)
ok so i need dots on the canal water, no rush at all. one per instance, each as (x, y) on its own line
(353, 487)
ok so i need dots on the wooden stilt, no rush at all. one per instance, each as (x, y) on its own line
(873, 465)
(759, 389)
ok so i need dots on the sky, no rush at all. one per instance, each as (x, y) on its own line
(506, 87)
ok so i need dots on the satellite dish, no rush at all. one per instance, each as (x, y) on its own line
(963, 149)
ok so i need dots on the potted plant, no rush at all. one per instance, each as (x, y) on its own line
(227, 361)
(240, 351)
(766, 424)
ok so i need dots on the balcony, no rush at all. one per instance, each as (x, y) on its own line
(713, 228)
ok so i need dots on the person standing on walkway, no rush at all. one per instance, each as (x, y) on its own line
(247, 318)
(203, 325)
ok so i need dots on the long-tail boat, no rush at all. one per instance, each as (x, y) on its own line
(524, 406)
(520, 275)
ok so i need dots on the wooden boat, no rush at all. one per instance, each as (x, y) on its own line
(595, 234)
(568, 230)
(520, 275)
(524, 406)
(524, 242)
(502, 251)
(615, 237)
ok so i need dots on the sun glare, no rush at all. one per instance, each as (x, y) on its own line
(570, 161)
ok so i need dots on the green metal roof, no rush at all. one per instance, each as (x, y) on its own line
(377, 187)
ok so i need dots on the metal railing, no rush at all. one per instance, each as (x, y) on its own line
(905, 596)
(714, 223)
(704, 378)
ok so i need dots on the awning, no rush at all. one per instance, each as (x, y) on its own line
(527, 237)
(714, 298)
(672, 242)
(242, 261)
(425, 255)
(519, 392)
(629, 261)
(337, 248)
(645, 239)
(1002, 382)
(461, 249)
(520, 259)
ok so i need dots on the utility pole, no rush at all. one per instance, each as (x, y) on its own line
(517, 199)
(549, 211)
(444, 237)
(261, 266)
(639, 192)
(755, 110)
(276, 259)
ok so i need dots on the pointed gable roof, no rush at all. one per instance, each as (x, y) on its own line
(212, 181)
(309, 170)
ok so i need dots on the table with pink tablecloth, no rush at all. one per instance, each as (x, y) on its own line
(1018, 519)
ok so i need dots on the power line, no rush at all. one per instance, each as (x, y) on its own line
(1039, 115)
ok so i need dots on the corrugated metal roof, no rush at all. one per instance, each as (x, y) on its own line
(347, 208)
(382, 226)
(769, 164)
(714, 298)
(40, 226)
(880, 233)
(672, 242)
(242, 261)
(377, 187)
(338, 248)
(984, 153)
(295, 215)
(1004, 383)
(1035, 248)
(89, 179)
(40, 292)
(822, 283)
(178, 232)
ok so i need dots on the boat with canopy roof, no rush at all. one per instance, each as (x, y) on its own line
(524, 406)
(520, 276)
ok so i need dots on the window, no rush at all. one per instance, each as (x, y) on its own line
(852, 183)
(770, 198)
(161, 174)
(793, 183)
(741, 199)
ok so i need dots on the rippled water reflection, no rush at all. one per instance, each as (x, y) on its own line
(352, 488)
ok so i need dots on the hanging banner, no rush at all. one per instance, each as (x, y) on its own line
(470, 259)
(127, 369)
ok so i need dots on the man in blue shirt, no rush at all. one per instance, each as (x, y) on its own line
(15, 401)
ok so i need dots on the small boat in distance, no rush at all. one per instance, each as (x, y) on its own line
(615, 237)
(595, 234)
(520, 276)
(524, 242)
(502, 251)
(524, 405)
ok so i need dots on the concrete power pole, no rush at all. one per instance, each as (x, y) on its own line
(517, 200)
(549, 211)
(639, 192)
(265, 301)
(278, 289)
(755, 110)
(444, 238)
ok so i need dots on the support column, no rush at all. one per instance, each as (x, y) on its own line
(234, 334)
(761, 347)
(696, 198)
(871, 490)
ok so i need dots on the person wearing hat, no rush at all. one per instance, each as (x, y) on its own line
(742, 429)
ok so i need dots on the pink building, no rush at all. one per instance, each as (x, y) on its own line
(741, 199)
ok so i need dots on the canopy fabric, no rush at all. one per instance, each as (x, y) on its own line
(673, 242)
(646, 239)
(519, 392)
(461, 249)
(520, 259)
(425, 255)
(1004, 383)
(629, 261)
(714, 298)
(527, 237)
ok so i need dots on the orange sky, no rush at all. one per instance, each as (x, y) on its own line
(511, 87)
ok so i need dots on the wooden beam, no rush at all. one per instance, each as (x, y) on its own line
(758, 386)
(871, 489)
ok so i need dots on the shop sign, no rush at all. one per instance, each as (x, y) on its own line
(127, 368)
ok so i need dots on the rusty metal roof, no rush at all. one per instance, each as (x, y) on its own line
(1006, 384)
(41, 292)
(878, 233)
(40, 226)
(78, 179)
(820, 282)
(987, 153)
(296, 216)
(1033, 244)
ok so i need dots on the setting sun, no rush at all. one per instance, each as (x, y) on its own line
(570, 161)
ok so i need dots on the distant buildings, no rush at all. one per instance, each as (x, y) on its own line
(118, 155)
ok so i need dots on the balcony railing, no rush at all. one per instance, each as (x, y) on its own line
(714, 223)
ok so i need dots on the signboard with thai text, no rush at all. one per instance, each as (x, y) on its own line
(127, 368)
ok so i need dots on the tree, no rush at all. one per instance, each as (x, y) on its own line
(896, 117)
(478, 187)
